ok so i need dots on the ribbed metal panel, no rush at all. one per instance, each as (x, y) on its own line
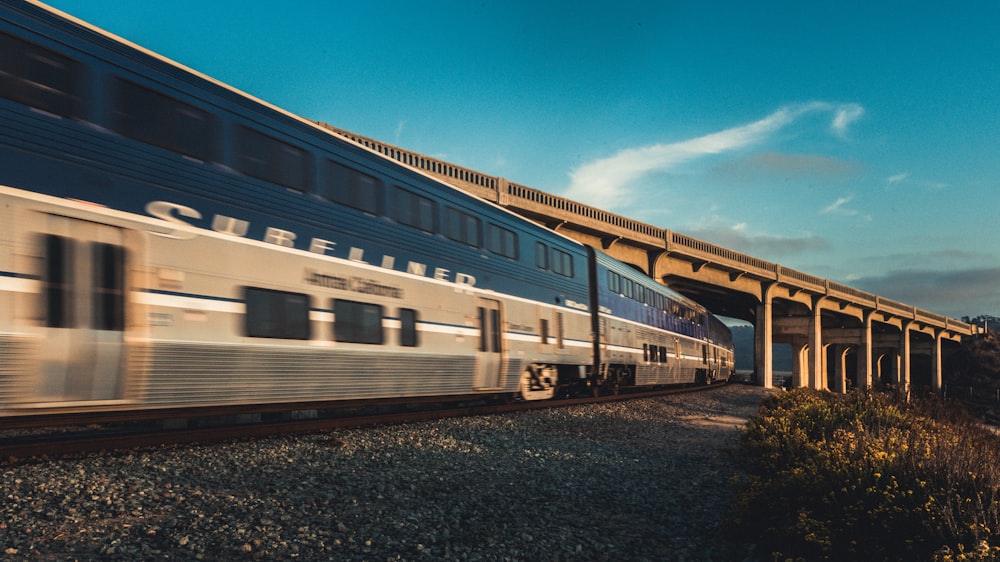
(664, 374)
(184, 373)
(514, 369)
(18, 360)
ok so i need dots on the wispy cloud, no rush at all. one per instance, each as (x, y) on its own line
(398, 133)
(838, 207)
(844, 115)
(605, 182)
(893, 180)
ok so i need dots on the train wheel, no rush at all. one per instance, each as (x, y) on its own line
(538, 382)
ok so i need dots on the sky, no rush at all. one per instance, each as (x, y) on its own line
(858, 141)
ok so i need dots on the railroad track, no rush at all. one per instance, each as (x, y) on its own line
(92, 437)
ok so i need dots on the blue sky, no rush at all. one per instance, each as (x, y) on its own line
(854, 140)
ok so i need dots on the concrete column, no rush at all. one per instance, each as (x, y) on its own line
(936, 382)
(904, 358)
(763, 332)
(800, 363)
(840, 368)
(865, 352)
(804, 370)
(836, 383)
(817, 376)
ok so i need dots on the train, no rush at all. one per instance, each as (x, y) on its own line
(169, 241)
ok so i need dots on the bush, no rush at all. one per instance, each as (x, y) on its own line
(868, 476)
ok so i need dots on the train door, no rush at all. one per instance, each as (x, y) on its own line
(83, 311)
(489, 356)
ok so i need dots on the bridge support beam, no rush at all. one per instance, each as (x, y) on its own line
(865, 357)
(764, 338)
(817, 373)
(800, 362)
(936, 382)
(904, 359)
(840, 352)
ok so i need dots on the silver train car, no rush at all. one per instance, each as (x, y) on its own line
(167, 241)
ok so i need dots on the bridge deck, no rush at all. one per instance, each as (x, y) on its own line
(593, 224)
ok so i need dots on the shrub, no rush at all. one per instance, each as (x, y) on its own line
(868, 476)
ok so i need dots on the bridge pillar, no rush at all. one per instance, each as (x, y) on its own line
(817, 374)
(904, 358)
(764, 338)
(887, 365)
(840, 367)
(800, 362)
(837, 382)
(936, 382)
(865, 352)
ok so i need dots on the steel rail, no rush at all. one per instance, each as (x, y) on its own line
(28, 447)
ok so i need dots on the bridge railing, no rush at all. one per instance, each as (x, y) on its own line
(507, 193)
(517, 191)
(709, 250)
(899, 309)
(857, 294)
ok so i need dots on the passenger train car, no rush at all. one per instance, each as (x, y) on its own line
(166, 240)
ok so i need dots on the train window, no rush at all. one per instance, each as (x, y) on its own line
(270, 159)
(57, 282)
(645, 352)
(108, 287)
(157, 119)
(501, 241)
(562, 263)
(541, 255)
(276, 314)
(614, 282)
(663, 354)
(350, 187)
(414, 210)
(357, 322)
(544, 329)
(38, 77)
(463, 227)
(627, 287)
(408, 327)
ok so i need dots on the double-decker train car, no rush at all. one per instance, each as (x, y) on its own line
(166, 240)
(650, 335)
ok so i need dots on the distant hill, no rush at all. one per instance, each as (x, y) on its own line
(743, 339)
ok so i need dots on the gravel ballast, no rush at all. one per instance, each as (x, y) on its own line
(638, 480)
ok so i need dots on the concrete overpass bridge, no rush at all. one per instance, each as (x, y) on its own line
(840, 336)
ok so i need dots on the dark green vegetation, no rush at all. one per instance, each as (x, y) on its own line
(868, 476)
(972, 375)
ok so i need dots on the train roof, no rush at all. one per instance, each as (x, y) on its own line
(634, 274)
(312, 126)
